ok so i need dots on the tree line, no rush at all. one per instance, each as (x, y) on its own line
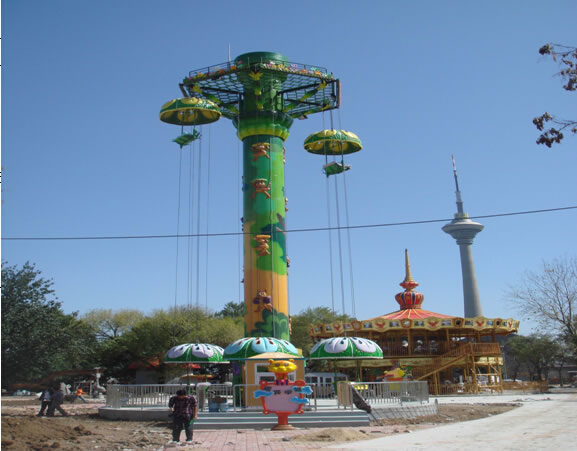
(39, 338)
(537, 357)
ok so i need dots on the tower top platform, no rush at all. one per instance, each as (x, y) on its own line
(270, 79)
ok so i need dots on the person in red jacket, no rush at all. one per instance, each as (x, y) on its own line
(79, 395)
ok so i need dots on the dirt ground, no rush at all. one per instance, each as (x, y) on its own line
(83, 429)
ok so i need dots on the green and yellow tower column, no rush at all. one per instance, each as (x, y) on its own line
(265, 257)
(263, 128)
(262, 93)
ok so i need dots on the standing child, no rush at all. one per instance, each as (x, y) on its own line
(45, 400)
(184, 410)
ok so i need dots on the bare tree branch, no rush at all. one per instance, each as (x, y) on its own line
(549, 297)
(566, 58)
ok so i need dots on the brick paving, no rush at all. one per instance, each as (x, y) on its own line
(259, 440)
(244, 439)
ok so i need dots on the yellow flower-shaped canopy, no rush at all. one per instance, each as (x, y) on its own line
(333, 142)
(190, 111)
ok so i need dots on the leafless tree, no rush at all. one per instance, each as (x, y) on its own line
(549, 297)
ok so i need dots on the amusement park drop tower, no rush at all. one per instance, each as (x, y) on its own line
(262, 93)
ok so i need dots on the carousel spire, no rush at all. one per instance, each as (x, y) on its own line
(409, 299)
(409, 283)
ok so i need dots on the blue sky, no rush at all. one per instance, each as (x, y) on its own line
(84, 154)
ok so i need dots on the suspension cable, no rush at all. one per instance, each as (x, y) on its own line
(198, 214)
(330, 233)
(177, 239)
(190, 241)
(207, 220)
(339, 232)
(239, 146)
(338, 214)
(351, 275)
(330, 247)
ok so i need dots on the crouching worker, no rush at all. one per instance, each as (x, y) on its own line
(184, 410)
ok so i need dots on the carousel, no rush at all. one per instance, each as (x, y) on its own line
(454, 354)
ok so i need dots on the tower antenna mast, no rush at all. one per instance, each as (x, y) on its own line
(460, 212)
(464, 230)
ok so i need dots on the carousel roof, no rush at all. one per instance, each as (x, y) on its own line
(412, 316)
(412, 313)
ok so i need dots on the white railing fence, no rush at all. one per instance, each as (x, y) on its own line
(324, 391)
(240, 397)
(140, 395)
(382, 393)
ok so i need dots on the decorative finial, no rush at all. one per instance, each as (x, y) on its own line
(409, 283)
(409, 299)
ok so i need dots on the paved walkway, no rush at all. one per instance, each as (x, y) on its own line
(259, 440)
(543, 422)
(244, 440)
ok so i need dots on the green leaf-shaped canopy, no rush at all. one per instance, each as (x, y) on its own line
(246, 348)
(194, 353)
(346, 348)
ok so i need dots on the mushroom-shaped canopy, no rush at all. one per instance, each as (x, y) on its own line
(194, 353)
(246, 348)
(333, 142)
(190, 111)
(338, 348)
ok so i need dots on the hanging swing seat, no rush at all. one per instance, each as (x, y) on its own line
(334, 167)
(333, 142)
(186, 138)
(190, 111)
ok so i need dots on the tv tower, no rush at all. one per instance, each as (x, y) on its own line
(464, 230)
